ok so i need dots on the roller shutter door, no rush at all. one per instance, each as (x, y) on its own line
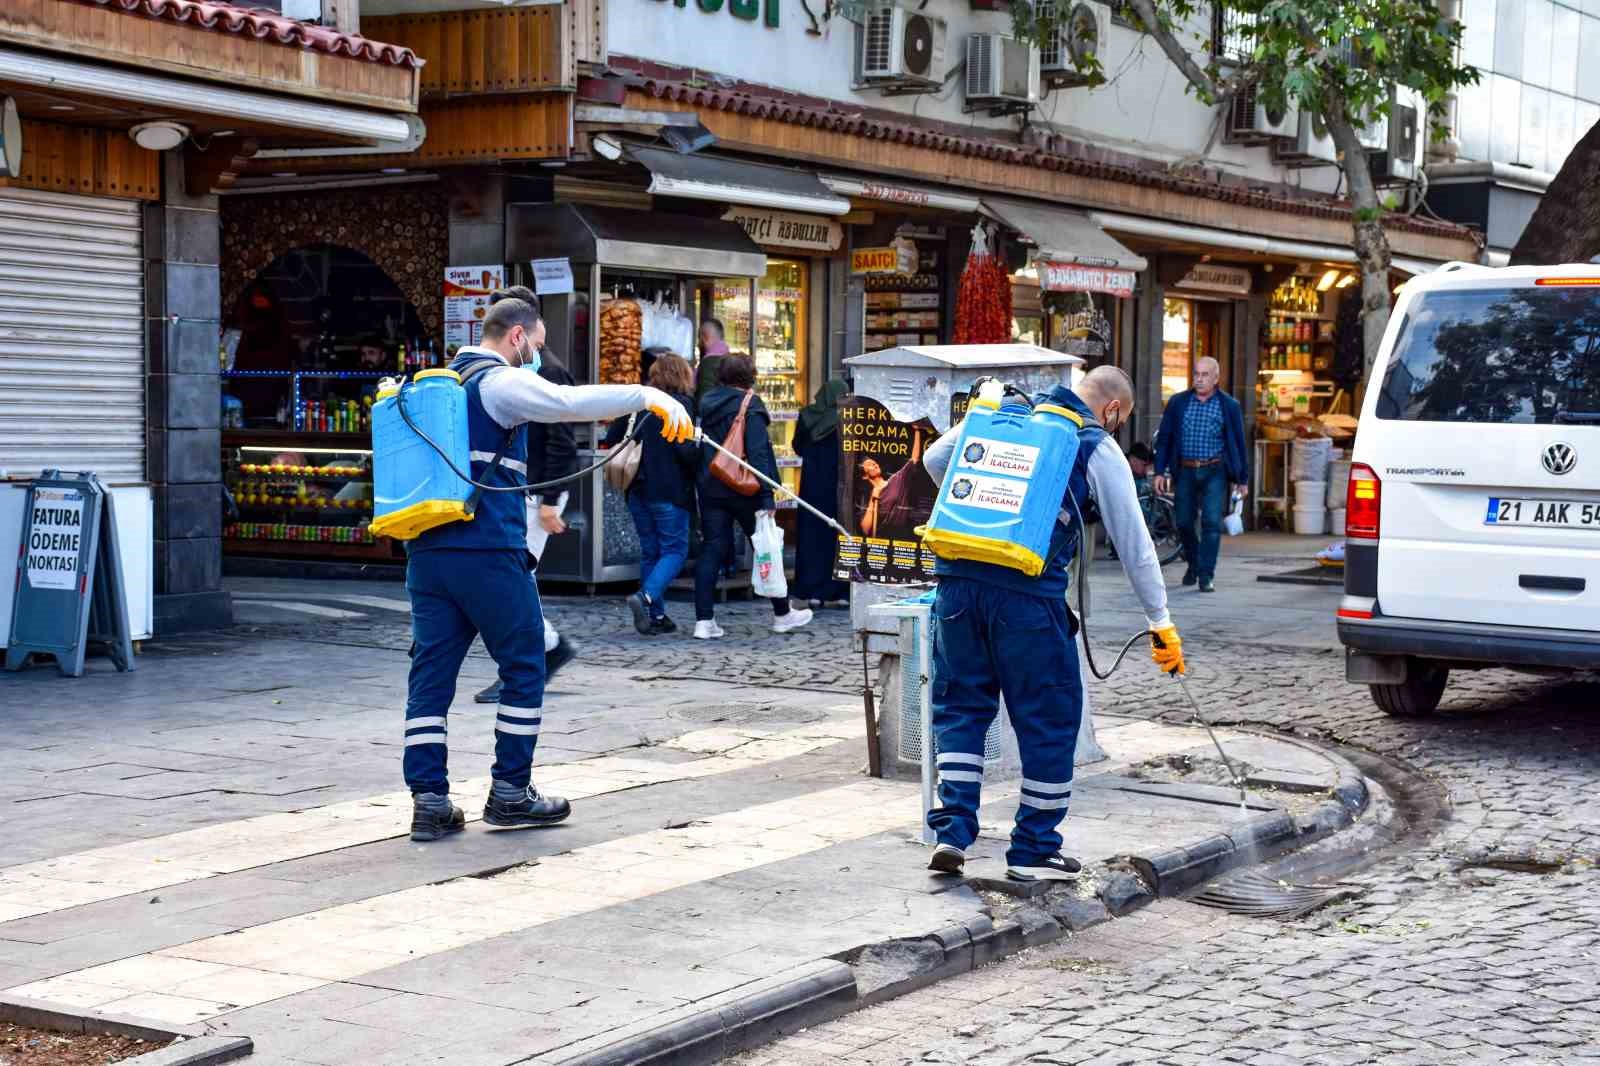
(72, 368)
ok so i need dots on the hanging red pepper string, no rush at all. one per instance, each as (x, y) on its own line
(983, 300)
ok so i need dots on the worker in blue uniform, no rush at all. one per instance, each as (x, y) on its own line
(998, 632)
(471, 578)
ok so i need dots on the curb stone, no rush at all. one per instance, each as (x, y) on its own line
(1177, 870)
(722, 1025)
(185, 1045)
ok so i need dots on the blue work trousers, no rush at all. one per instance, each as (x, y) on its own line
(457, 594)
(989, 642)
(1201, 491)
(663, 546)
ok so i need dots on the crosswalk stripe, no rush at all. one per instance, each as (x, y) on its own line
(382, 603)
(205, 978)
(75, 880)
(305, 608)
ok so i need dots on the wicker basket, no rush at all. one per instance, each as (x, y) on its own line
(1271, 431)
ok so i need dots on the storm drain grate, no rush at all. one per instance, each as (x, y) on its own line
(746, 714)
(1260, 896)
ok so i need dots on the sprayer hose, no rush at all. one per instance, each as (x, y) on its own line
(400, 405)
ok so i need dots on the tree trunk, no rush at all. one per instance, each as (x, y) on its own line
(1371, 243)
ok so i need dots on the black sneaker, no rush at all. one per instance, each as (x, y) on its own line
(490, 694)
(434, 816)
(557, 657)
(1190, 577)
(663, 625)
(525, 812)
(639, 604)
(1207, 585)
(947, 859)
(1055, 868)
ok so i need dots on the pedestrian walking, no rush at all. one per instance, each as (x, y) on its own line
(660, 498)
(998, 632)
(713, 350)
(552, 455)
(1200, 454)
(467, 579)
(816, 442)
(721, 508)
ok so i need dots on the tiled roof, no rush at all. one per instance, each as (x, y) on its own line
(264, 26)
(1054, 154)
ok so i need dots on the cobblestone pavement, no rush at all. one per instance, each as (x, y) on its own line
(1479, 947)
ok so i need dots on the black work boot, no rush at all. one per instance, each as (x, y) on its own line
(488, 695)
(508, 808)
(433, 816)
(557, 657)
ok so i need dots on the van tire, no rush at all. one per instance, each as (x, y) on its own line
(1415, 697)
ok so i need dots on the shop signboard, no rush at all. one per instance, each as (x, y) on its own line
(466, 300)
(885, 494)
(1075, 277)
(899, 258)
(1215, 277)
(788, 229)
(552, 277)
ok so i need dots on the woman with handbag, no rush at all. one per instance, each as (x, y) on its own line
(729, 494)
(658, 478)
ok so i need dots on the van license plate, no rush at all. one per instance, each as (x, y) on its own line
(1550, 514)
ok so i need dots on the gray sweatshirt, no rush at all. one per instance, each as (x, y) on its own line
(512, 396)
(1112, 489)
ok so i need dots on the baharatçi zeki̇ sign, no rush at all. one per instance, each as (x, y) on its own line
(1075, 277)
(55, 539)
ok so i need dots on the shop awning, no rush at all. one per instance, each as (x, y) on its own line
(636, 240)
(1063, 236)
(732, 181)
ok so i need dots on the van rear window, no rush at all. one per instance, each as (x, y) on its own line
(1526, 355)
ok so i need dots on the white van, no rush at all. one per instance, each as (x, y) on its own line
(1473, 510)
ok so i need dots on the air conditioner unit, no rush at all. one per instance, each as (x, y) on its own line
(1001, 71)
(900, 47)
(1373, 132)
(1312, 146)
(1252, 122)
(1401, 158)
(1080, 34)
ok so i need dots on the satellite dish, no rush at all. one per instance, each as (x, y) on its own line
(10, 139)
(917, 51)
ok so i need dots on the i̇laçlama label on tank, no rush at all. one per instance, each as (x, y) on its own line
(999, 457)
(993, 493)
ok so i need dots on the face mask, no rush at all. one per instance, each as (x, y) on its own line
(531, 357)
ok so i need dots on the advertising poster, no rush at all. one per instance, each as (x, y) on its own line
(466, 300)
(55, 537)
(885, 493)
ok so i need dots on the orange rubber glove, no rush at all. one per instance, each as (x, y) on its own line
(676, 425)
(1167, 649)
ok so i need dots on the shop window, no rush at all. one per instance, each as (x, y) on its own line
(780, 354)
(1177, 347)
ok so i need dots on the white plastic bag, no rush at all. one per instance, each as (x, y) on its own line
(1233, 522)
(767, 579)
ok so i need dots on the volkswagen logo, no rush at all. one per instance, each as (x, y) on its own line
(1559, 458)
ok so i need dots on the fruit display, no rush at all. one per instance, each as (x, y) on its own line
(621, 338)
(303, 534)
(301, 471)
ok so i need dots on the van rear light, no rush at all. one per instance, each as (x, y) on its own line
(1362, 502)
(1563, 282)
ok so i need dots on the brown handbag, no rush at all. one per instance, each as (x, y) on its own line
(735, 475)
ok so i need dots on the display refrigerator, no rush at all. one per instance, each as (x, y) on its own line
(673, 267)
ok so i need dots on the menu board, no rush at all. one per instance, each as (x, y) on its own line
(466, 300)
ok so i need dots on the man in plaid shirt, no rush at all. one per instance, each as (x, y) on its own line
(1200, 453)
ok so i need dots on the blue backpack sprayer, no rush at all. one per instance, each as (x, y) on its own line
(1001, 500)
